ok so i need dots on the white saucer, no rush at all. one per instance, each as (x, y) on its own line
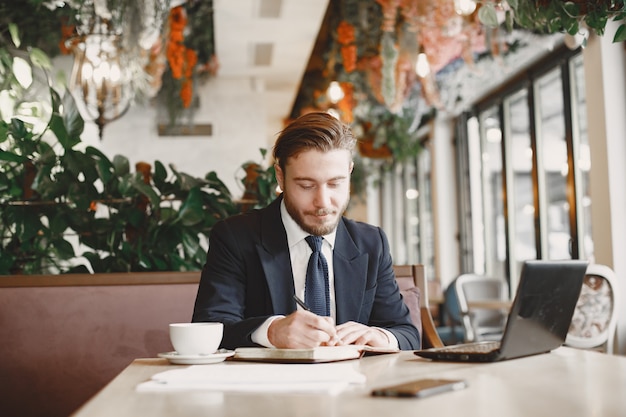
(176, 358)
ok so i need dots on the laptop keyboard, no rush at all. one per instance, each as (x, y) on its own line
(481, 347)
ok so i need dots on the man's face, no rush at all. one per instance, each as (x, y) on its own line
(316, 188)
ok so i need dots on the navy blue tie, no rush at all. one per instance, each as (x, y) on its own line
(316, 292)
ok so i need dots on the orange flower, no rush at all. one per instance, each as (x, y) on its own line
(178, 19)
(192, 59)
(67, 32)
(348, 53)
(346, 104)
(186, 93)
(182, 60)
(345, 33)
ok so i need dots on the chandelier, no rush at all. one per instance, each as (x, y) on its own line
(111, 51)
(100, 79)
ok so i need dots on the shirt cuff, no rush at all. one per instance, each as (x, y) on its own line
(393, 342)
(259, 336)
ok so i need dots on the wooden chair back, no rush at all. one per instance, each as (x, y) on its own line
(410, 278)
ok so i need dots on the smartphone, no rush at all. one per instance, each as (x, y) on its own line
(420, 388)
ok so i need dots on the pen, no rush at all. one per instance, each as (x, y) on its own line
(301, 303)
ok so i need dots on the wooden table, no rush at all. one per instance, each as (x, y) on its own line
(565, 382)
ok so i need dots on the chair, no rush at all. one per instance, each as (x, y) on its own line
(483, 323)
(451, 330)
(411, 280)
(595, 318)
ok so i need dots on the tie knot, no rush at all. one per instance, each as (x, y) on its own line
(315, 242)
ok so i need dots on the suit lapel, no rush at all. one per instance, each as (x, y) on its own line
(350, 268)
(274, 254)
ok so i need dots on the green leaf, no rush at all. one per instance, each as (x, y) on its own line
(4, 131)
(104, 167)
(64, 249)
(121, 164)
(190, 243)
(509, 21)
(58, 128)
(40, 59)
(72, 119)
(571, 27)
(18, 129)
(58, 225)
(11, 157)
(6, 263)
(620, 35)
(160, 174)
(15, 36)
(487, 15)
(186, 182)
(191, 212)
(147, 190)
(572, 9)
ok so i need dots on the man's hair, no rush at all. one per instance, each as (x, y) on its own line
(319, 131)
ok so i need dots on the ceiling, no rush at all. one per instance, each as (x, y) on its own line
(267, 44)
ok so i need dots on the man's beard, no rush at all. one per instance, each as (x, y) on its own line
(316, 230)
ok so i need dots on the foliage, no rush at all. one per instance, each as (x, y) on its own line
(552, 16)
(259, 183)
(44, 25)
(55, 197)
(382, 99)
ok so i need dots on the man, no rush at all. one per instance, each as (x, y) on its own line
(257, 261)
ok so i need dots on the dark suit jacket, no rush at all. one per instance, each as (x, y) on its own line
(247, 278)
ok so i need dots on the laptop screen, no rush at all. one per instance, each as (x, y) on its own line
(544, 305)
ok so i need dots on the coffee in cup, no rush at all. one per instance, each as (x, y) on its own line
(196, 338)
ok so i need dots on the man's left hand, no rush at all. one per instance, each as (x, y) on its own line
(353, 333)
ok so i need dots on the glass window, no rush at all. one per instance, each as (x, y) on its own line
(535, 197)
(582, 158)
(553, 167)
(493, 202)
(424, 219)
(405, 200)
(520, 194)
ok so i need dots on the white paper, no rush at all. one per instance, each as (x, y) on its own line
(328, 377)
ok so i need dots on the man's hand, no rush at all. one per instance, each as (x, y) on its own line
(353, 333)
(303, 329)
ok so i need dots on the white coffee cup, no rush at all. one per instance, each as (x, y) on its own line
(196, 338)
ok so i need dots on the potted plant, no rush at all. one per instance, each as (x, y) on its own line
(56, 197)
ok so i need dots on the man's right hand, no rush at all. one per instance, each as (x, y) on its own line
(303, 329)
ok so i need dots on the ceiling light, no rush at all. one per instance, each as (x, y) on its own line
(464, 7)
(422, 67)
(335, 92)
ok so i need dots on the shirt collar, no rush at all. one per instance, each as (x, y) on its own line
(295, 234)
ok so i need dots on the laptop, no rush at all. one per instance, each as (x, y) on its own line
(539, 318)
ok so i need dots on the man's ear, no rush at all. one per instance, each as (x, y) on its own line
(280, 176)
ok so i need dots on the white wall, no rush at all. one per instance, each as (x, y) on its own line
(445, 203)
(240, 129)
(605, 80)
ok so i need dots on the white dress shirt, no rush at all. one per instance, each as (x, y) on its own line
(299, 253)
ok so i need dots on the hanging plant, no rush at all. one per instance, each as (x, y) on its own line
(554, 16)
(190, 58)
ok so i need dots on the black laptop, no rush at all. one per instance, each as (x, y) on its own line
(539, 318)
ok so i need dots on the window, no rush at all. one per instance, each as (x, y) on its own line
(527, 156)
(404, 192)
